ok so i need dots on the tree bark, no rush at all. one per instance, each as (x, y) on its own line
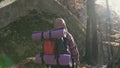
(91, 34)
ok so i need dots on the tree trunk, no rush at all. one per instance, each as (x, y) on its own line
(91, 34)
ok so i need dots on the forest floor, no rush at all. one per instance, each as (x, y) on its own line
(89, 66)
(22, 64)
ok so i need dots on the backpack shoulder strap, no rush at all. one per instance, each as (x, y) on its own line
(42, 39)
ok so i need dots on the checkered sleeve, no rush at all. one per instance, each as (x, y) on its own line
(73, 47)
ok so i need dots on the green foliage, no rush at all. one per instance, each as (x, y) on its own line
(5, 61)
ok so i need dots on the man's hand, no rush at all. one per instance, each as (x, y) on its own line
(78, 64)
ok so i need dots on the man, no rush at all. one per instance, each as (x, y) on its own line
(70, 43)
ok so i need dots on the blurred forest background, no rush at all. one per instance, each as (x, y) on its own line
(95, 28)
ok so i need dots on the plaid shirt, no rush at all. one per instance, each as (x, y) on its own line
(72, 47)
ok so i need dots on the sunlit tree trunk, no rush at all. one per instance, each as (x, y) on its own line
(91, 34)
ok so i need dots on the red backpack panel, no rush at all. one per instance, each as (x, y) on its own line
(48, 46)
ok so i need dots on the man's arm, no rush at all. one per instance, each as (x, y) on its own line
(73, 48)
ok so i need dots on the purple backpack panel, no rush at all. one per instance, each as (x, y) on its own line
(64, 59)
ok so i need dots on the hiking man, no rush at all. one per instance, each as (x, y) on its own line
(70, 43)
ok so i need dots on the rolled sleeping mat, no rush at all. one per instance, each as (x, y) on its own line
(64, 59)
(46, 35)
(36, 35)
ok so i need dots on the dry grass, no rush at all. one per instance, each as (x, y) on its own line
(111, 43)
(6, 2)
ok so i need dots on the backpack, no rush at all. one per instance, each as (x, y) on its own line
(54, 52)
(54, 47)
